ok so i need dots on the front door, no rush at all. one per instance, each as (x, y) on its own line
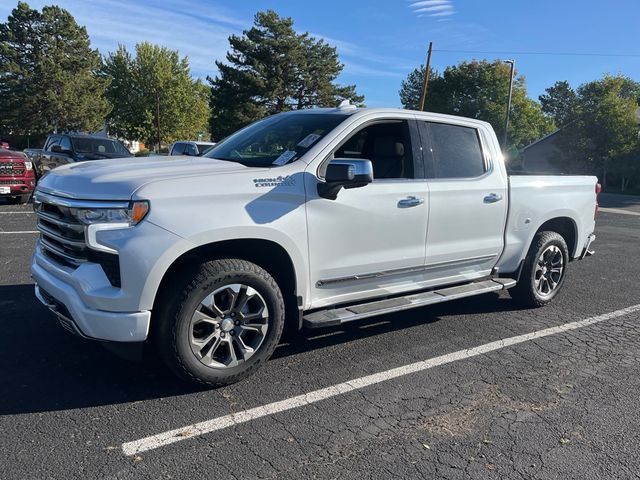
(368, 241)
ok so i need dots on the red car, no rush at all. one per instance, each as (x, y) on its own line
(17, 177)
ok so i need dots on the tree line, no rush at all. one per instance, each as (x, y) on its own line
(52, 79)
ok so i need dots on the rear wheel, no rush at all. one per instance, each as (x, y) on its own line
(543, 271)
(225, 321)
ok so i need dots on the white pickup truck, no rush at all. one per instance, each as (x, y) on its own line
(309, 218)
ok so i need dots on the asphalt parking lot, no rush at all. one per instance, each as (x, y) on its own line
(563, 404)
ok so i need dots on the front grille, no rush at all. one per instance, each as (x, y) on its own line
(15, 169)
(11, 182)
(61, 235)
(62, 238)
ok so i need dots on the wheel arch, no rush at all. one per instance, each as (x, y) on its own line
(268, 254)
(565, 227)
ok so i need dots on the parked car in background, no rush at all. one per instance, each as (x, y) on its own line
(192, 149)
(60, 149)
(4, 145)
(17, 177)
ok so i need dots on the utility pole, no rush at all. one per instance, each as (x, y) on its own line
(506, 120)
(425, 83)
(158, 118)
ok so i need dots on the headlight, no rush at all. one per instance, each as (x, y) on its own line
(132, 215)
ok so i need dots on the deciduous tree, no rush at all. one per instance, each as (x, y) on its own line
(560, 102)
(155, 85)
(479, 89)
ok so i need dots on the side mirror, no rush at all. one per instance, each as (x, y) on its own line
(59, 149)
(345, 173)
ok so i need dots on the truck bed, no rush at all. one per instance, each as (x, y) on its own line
(534, 199)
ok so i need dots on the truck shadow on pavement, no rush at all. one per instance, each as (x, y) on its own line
(44, 368)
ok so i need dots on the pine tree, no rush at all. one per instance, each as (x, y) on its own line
(270, 69)
(50, 79)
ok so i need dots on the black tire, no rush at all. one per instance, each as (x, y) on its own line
(173, 330)
(526, 292)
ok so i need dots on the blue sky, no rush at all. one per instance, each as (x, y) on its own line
(380, 41)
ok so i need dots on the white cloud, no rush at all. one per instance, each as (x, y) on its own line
(198, 33)
(359, 60)
(429, 3)
(433, 8)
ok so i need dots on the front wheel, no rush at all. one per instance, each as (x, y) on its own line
(224, 322)
(543, 271)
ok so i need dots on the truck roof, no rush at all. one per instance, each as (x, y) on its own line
(353, 110)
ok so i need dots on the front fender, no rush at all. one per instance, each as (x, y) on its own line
(185, 245)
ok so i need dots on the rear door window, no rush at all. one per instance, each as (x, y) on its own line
(456, 151)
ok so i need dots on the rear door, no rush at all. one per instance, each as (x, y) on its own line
(468, 201)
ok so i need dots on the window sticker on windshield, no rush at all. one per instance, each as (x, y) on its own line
(309, 140)
(284, 158)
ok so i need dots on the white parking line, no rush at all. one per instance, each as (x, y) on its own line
(618, 210)
(197, 429)
(23, 231)
(13, 213)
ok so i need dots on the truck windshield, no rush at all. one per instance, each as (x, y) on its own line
(99, 146)
(275, 140)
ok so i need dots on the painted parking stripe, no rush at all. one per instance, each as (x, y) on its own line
(19, 232)
(14, 213)
(220, 423)
(618, 210)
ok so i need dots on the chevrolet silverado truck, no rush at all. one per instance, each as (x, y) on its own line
(304, 219)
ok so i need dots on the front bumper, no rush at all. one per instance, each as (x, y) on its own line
(63, 300)
(16, 186)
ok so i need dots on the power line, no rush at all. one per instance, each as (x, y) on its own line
(556, 54)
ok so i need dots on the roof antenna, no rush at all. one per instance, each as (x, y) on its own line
(346, 105)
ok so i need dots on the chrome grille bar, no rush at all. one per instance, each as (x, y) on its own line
(47, 245)
(74, 244)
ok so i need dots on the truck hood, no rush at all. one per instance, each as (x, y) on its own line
(117, 179)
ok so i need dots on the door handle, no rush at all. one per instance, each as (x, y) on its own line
(410, 202)
(492, 198)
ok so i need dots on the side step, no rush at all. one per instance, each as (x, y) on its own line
(337, 316)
